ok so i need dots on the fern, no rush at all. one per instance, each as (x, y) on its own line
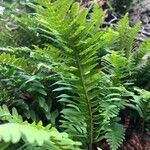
(74, 50)
(73, 53)
(141, 59)
(142, 51)
(32, 133)
(77, 42)
(115, 136)
(6, 116)
(11, 60)
(92, 98)
(111, 105)
(36, 134)
(119, 68)
(141, 103)
(127, 35)
(25, 81)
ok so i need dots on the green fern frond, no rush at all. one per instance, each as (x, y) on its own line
(97, 16)
(115, 136)
(141, 103)
(118, 67)
(142, 61)
(5, 114)
(77, 41)
(36, 134)
(142, 51)
(109, 111)
(12, 60)
(127, 35)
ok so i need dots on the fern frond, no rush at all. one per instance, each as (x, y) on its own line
(97, 16)
(127, 35)
(115, 136)
(141, 103)
(12, 60)
(36, 134)
(141, 59)
(119, 68)
(5, 114)
(77, 41)
(141, 51)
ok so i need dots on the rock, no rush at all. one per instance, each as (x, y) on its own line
(140, 11)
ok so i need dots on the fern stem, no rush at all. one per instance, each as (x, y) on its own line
(90, 119)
